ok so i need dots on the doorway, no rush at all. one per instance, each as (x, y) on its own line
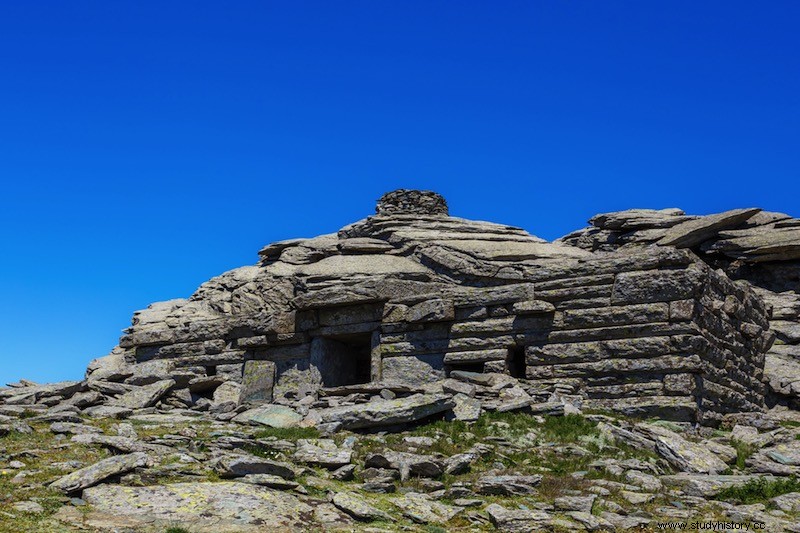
(517, 365)
(343, 360)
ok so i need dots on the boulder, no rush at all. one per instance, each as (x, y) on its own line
(465, 408)
(406, 463)
(94, 474)
(269, 480)
(423, 510)
(693, 232)
(507, 485)
(707, 486)
(518, 520)
(684, 455)
(276, 416)
(242, 465)
(357, 507)
(381, 413)
(322, 452)
(201, 507)
(144, 396)
(789, 503)
(575, 503)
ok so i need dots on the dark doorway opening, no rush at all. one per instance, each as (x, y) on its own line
(467, 367)
(516, 362)
(343, 360)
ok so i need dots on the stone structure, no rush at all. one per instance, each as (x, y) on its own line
(750, 245)
(409, 295)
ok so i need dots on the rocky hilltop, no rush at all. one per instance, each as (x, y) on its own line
(416, 371)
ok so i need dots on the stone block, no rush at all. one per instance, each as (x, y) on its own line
(258, 382)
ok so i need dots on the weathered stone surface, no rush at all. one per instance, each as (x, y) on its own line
(507, 485)
(575, 503)
(789, 503)
(460, 463)
(411, 296)
(228, 393)
(205, 506)
(277, 416)
(684, 455)
(119, 443)
(407, 463)
(322, 452)
(258, 381)
(28, 507)
(646, 481)
(421, 509)
(407, 201)
(382, 412)
(74, 429)
(357, 507)
(707, 486)
(107, 411)
(633, 219)
(466, 409)
(242, 465)
(518, 520)
(91, 475)
(642, 287)
(144, 396)
(431, 311)
(693, 232)
(269, 480)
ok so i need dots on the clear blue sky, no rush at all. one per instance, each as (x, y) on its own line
(148, 146)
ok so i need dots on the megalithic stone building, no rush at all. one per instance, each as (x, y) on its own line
(411, 294)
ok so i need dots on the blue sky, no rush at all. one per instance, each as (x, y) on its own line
(148, 146)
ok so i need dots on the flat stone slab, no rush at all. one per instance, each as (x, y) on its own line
(706, 486)
(159, 418)
(243, 465)
(94, 474)
(382, 412)
(693, 232)
(684, 455)
(357, 507)
(144, 396)
(507, 485)
(423, 510)
(276, 416)
(226, 506)
(322, 452)
(518, 520)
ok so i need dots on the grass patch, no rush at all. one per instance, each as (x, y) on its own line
(568, 428)
(291, 434)
(759, 490)
(743, 452)
(44, 453)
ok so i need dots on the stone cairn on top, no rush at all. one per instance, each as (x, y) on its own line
(411, 315)
(411, 202)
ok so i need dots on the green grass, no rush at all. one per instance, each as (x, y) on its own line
(569, 428)
(291, 434)
(176, 529)
(743, 452)
(790, 424)
(759, 490)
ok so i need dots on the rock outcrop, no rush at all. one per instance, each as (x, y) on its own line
(402, 299)
(298, 394)
(757, 247)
